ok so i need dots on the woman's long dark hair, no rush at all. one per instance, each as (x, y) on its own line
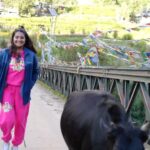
(28, 42)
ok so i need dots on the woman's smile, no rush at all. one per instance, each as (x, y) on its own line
(19, 39)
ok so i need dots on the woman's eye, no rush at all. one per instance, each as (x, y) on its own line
(17, 37)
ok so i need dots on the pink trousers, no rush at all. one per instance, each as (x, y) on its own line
(13, 115)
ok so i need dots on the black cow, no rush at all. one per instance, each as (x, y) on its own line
(95, 121)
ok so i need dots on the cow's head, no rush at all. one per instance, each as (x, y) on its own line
(121, 135)
(146, 127)
(126, 137)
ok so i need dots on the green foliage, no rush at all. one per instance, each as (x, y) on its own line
(115, 34)
(83, 31)
(137, 111)
(63, 2)
(127, 37)
(10, 3)
(52, 90)
(3, 43)
(72, 31)
(64, 24)
(141, 46)
(69, 38)
(68, 55)
(61, 10)
(106, 35)
(133, 17)
(39, 53)
(32, 12)
(107, 60)
(25, 6)
(43, 38)
(64, 54)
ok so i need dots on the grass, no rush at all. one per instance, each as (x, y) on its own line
(53, 91)
(70, 38)
(82, 20)
(72, 24)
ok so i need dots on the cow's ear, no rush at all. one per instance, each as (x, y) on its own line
(115, 113)
(143, 136)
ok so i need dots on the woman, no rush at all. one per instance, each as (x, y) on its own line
(18, 74)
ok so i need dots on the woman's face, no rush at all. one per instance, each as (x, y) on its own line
(19, 39)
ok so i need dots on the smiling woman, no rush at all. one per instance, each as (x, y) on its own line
(18, 74)
(19, 40)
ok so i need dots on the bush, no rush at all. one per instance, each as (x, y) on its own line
(137, 111)
(64, 54)
(115, 34)
(68, 55)
(142, 46)
(106, 35)
(133, 17)
(3, 43)
(83, 31)
(58, 32)
(72, 31)
(39, 52)
(109, 60)
(127, 37)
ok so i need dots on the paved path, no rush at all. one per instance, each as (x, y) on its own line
(43, 128)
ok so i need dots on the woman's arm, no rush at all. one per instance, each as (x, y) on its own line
(35, 71)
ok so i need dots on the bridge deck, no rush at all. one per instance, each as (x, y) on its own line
(43, 131)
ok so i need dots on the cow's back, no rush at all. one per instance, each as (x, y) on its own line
(81, 116)
(95, 121)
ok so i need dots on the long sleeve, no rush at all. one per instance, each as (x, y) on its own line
(35, 71)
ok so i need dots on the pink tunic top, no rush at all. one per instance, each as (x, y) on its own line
(16, 70)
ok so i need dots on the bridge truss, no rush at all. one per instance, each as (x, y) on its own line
(126, 84)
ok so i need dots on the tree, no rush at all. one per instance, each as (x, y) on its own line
(127, 7)
(25, 6)
(10, 3)
(139, 3)
(63, 2)
(22, 5)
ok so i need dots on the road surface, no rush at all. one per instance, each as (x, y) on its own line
(43, 127)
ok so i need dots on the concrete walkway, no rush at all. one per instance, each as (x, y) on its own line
(43, 127)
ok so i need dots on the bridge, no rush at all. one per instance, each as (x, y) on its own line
(125, 83)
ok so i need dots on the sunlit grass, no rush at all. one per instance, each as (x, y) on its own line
(83, 20)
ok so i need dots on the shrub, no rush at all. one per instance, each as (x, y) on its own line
(58, 32)
(137, 111)
(142, 46)
(83, 31)
(133, 17)
(3, 43)
(72, 31)
(106, 36)
(127, 37)
(68, 55)
(115, 34)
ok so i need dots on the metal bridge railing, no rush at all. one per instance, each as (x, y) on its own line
(126, 84)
